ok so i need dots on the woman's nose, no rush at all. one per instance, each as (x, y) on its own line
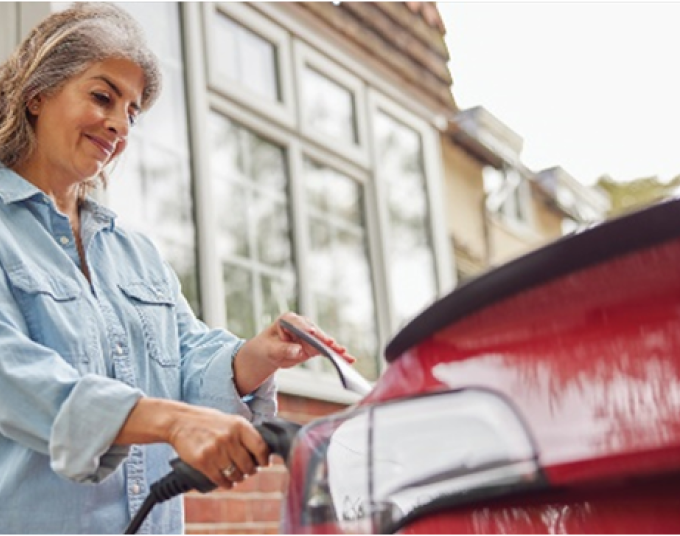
(118, 123)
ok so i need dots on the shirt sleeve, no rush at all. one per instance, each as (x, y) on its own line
(207, 357)
(47, 406)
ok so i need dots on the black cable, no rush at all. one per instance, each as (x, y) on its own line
(277, 433)
(174, 483)
(141, 514)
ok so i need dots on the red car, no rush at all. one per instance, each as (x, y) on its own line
(543, 396)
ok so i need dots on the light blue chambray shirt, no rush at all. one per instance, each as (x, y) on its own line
(74, 359)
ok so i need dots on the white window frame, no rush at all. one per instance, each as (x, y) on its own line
(299, 142)
(8, 31)
(17, 19)
(284, 111)
(299, 152)
(521, 194)
(505, 197)
(311, 381)
(518, 201)
(362, 178)
(306, 56)
(444, 273)
(272, 132)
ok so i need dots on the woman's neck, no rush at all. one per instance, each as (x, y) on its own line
(64, 193)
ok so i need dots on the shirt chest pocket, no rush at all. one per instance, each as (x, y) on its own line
(52, 308)
(154, 307)
(36, 284)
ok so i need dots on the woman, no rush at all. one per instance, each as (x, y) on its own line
(104, 371)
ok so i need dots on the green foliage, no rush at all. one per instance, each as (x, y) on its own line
(636, 194)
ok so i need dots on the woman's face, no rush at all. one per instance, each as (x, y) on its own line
(85, 125)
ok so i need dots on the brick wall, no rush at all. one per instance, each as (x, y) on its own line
(254, 506)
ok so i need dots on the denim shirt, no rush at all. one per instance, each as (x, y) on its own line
(76, 356)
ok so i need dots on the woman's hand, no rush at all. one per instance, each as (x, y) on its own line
(276, 348)
(225, 448)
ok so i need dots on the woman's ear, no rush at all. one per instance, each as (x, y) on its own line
(34, 105)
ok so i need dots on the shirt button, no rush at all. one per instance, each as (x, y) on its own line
(136, 489)
(119, 349)
(64, 240)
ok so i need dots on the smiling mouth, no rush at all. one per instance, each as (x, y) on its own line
(104, 147)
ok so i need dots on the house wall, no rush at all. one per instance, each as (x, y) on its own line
(509, 241)
(482, 239)
(548, 219)
(464, 201)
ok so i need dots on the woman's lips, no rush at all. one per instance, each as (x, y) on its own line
(104, 146)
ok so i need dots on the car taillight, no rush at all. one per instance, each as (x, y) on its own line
(374, 468)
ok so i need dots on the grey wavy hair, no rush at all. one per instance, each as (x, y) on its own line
(60, 47)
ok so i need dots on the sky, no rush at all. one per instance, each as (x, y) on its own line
(593, 87)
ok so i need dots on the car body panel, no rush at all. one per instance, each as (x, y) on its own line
(582, 337)
(649, 507)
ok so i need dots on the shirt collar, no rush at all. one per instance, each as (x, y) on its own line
(14, 188)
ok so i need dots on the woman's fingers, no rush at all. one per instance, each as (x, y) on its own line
(308, 326)
(243, 452)
(244, 460)
(225, 448)
(257, 448)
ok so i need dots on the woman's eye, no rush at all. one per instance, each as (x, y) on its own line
(101, 98)
(132, 119)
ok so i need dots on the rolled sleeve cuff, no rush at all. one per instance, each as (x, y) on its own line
(262, 402)
(219, 390)
(95, 403)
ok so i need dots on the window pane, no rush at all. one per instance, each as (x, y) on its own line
(245, 57)
(270, 223)
(250, 182)
(165, 122)
(493, 179)
(238, 288)
(278, 295)
(160, 20)
(340, 270)
(232, 219)
(329, 107)
(400, 157)
(267, 167)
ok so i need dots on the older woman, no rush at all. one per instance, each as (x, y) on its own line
(104, 369)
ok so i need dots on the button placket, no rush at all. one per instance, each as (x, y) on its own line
(136, 482)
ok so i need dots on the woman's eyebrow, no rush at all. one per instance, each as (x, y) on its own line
(116, 90)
